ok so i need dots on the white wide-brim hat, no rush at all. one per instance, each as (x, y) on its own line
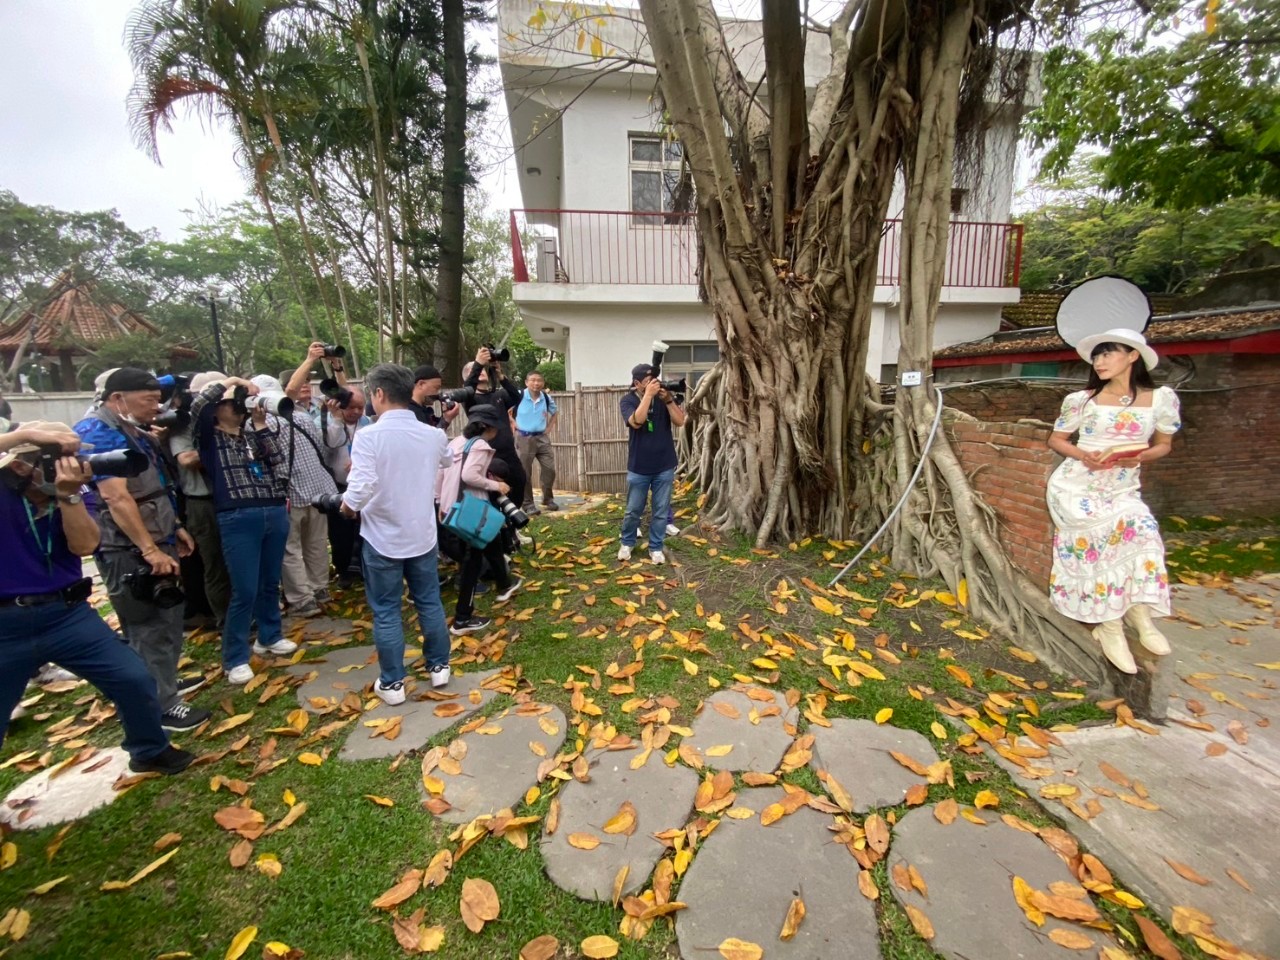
(1130, 338)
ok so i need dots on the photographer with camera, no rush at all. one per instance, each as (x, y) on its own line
(44, 610)
(470, 472)
(298, 386)
(428, 405)
(246, 462)
(485, 383)
(650, 410)
(396, 525)
(306, 553)
(338, 427)
(142, 540)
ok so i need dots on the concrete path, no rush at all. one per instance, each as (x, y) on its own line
(745, 876)
(859, 754)
(59, 794)
(744, 728)
(1193, 797)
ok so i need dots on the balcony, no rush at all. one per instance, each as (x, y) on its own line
(638, 248)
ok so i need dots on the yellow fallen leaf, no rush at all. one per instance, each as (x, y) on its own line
(380, 801)
(920, 922)
(938, 730)
(690, 667)
(1071, 939)
(624, 821)
(719, 750)
(584, 841)
(479, 903)
(599, 947)
(1022, 892)
(8, 854)
(791, 923)
(735, 949)
(45, 887)
(241, 943)
(884, 714)
(310, 759)
(986, 799)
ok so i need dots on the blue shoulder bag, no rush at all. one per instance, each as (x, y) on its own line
(473, 518)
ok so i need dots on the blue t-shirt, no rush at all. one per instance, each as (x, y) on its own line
(532, 415)
(651, 450)
(100, 437)
(24, 538)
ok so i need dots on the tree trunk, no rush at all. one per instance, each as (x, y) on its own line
(381, 187)
(453, 144)
(332, 249)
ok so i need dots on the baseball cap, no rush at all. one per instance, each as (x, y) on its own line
(640, 371)
(487, 414)
(128, 379)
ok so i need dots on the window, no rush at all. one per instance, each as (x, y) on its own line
(957, 200)
(656, 183)
(691, 360)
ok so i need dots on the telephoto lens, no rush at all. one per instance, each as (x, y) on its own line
(113, 463)
(675, 386)
(335, 391)
(334, 350)
(501, 356)
(515, 516)
(173, 419)
(659, 351)
(280, 406)
(330, 503)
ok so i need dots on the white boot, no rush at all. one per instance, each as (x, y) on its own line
(1139, 616)
(1110, 633)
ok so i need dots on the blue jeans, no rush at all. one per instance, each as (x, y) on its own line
(77, 639)
(639, 486)
(253, 540)
(384, 580)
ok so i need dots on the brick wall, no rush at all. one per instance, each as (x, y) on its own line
(1009, 466)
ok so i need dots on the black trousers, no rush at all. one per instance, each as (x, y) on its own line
(515, 477)
(344, 541)
(469, 574)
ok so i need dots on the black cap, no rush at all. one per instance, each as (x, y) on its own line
(426, 372)
(128, 379)
(640, 371)
(487, 414)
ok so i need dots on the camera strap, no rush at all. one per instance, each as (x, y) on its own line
(47, 545)
(307, 437)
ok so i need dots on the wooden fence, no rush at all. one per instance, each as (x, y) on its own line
(589, 440)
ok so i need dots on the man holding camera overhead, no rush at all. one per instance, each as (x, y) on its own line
(650, 411)
(142, 539)
(44, 611)
(484, 382)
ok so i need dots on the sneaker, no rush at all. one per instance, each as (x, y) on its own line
(52, 673)
(531, 509)
(279, 648)
(469, 625)
(392, 694)
(524, 541)
(624, 553)
(240, 675)
(481, 588)
(188, 685)
(657, 556)
(673, 530)
(322, 596)
(550, 504)
(346, 581)
(306, 610)
(511, 591)
(182, 717)
(168, 761)
(440, 675)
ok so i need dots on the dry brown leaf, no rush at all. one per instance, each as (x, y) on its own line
(479, 903)
(619, 882)
(735, 949)
(408, 930)
(1114, 775)
(867, 885)
(920, 922)
(405, 888)
(1064, 908)
(1022, 893)
(624, 821)
(1238, 732)
(1071, 939)
(1238, 878)
(1187, 873)
(599, 947)
(917, 794)
(901, 877)
(553, 816)
(839, 794)
(946, 811)
(791, 923)
(540, 948)
(437, 871)
(1215, 749)
(877, 833)
(1157, 940)
(241, 853)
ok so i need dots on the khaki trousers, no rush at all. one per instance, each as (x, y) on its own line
(306, 556)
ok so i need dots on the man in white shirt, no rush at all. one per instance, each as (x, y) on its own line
(389, 459)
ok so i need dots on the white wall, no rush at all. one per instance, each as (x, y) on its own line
(957, 323)
(59, 407)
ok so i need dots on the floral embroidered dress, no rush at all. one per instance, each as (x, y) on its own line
(1107, 551)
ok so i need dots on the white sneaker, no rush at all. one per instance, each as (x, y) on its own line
(439, 676)
(279, 648)
(392, 694)
(673, 530)
(624, 553)
(657, 556)
(511, 591)
(525, 541)
(52, 673)
(240, 675)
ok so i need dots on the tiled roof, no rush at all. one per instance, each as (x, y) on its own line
(1211, 325)
(72, 318)
(1040, 309)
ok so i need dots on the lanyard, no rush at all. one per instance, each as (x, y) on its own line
(47, 546)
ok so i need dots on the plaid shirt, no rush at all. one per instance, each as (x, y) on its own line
(309, 478)
(246, 469)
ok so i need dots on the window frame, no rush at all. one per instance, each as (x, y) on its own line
(665, 167)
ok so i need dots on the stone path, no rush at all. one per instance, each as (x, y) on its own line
(858, 753)
(661, 798)
(1189, 792)
(499, 759)
(72, 792)
(754, 724)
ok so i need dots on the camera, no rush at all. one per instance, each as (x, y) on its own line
(163, 592)
(178, 419)
(113, 463)
(675, 386)
(459, 395)
(335, 391)
(173, 383)
(330, 503)
(515, 516)
(496, 355)
(334, 350)
(659, 351)
(280, 406)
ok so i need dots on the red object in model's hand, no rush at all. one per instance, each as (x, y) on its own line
(1125, 451)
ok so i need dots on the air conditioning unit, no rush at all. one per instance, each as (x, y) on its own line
(548, 256)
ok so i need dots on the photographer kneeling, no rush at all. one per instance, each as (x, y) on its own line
(469, 473)
(44, 611)
(142, 540)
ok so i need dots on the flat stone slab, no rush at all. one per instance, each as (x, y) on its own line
(662, 797)
(70, 795)
(500, 763)
(856, 753)
(744, 877)
(725, 720)
(968, 871)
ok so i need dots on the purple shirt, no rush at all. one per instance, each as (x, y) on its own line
(26, 569)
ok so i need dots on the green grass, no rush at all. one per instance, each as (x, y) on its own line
(1200, 547)
(346, 850)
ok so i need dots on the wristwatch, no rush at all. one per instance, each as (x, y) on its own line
(72, 499)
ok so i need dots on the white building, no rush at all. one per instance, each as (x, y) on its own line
(602, 264)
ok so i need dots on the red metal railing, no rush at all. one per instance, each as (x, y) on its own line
(633, 247)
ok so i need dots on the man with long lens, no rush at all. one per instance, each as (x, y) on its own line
(389, 459)
(428, 406)
(142, 540)
(339, 424)
(306, 554)
(44, 610)
(650, 411)
(484, 382)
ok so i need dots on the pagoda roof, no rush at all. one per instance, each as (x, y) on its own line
(73, 316)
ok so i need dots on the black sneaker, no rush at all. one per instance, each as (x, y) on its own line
(531, 509)
(469, 625)
(168, 761)
(188, 685)
(182, 717)
(550, 505)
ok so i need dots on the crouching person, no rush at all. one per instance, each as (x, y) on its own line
(45, 615)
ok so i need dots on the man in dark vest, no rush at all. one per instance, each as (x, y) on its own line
(142, 540)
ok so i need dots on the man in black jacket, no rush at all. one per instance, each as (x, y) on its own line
(505, 396)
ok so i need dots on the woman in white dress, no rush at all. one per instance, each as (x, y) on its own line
(1108, 558)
